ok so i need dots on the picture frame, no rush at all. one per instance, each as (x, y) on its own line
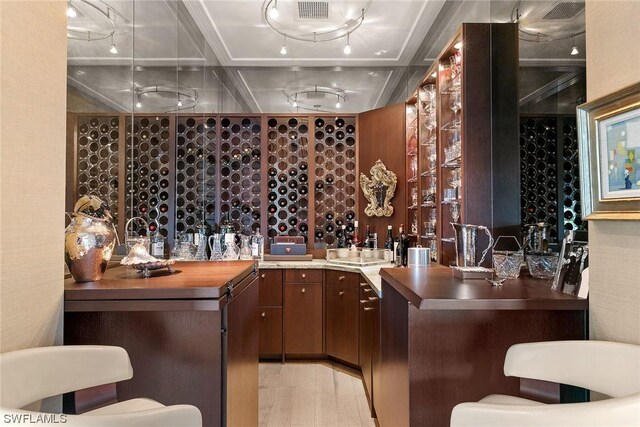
(609, 152)
(572, 262)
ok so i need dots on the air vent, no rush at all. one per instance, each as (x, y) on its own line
(313, 9)
(315, 95)
(564, 11)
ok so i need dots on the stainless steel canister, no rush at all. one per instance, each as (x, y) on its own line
(419, 257)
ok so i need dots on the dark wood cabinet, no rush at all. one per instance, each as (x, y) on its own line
(368, 338)
(303, 313)
(342, 321)
(270, 288)
(270, 332)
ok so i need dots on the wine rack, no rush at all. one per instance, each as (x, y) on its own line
(335, 190)
(240, 163)
(195, 172)
(148, 167)
(288, 177)
(549, 173)
(97, 161)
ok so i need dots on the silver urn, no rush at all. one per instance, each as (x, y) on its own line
(89, 240)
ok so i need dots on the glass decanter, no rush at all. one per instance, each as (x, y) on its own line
(245, 248)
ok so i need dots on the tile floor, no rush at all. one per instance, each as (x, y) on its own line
(312, 394)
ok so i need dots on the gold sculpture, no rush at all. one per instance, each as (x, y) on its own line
(379, 190)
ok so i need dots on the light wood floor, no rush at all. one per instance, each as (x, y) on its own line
(312, 394)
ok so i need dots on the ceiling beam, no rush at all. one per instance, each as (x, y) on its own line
(553, 88)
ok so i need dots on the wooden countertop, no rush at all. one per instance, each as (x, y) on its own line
(193, 280)
(437, 289)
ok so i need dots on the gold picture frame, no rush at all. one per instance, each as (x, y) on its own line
(609, 150)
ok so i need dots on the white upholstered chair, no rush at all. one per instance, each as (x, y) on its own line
(609, 368)
(29, 375)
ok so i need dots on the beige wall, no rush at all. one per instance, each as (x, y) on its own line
(33, 47)
(613, 62)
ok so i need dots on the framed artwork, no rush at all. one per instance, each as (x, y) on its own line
(609, 149)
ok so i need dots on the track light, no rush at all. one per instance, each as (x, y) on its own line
(574, 50)
(347, 48)
(295, 101)
(113, 49)
(338, 105)
(71, 11)
(283, 49)
(138, 104)
(273, 13)
(179, 103)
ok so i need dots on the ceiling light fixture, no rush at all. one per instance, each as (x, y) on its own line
(434, 74)
(347, 48)
(458, 45)
(574, 47)
(161, 94)
(71, 11)
(283, 49)
(302, 34)
(539, 37)
(103, 23)
(315, 98)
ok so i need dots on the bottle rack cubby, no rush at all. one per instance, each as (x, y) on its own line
(335, 188)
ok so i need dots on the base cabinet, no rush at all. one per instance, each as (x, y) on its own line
(270, 321)
(342, 321)
(368, 338)
(303, 318)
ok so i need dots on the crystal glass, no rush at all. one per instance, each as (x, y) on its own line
(454, 210)
(414, 196)
(215, 246)
(449, 194)
(429, 228)
(455, 102)
(455, 178)
(245, 248)
(507, 264)
(433, 215)
(542, 266)
(231, 251)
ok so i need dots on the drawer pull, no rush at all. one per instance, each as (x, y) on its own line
(304, 290)
(341, 293)
(373, 298)
(304, 276)
(263, 275)
(369, 308)
(367, 290)
(341, 278)
(364, 301)
(264, 314)
(364, 285)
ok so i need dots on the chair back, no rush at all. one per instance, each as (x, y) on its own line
(606, 367)
(36, 373)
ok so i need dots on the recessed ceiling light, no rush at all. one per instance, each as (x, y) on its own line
(371, 73)
(574, 50)
(71, 11)
(434, 74)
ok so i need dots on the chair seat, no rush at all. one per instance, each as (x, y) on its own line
(503, 399)
(128, 406)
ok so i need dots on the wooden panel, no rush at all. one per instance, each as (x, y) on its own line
(365, 341)
(181, 348)
(302, 276)
(383, 132)
(341, 323)
(303, 326)
(270, 287)
(242, 358)
(270, 332)
(342, 278)
(391, 373)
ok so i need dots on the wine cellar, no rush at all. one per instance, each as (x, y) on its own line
(177, 170)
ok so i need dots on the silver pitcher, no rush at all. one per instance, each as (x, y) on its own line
(538, 237)
(88, 242)
(466, 240)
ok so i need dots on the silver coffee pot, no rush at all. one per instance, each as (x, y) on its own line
(466, 240)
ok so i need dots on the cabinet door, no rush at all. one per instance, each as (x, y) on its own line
(270, 287)
(270, 332)
(342, 322)
(365, 339)
(303, 318)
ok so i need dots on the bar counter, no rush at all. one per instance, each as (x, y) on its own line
(443, 341)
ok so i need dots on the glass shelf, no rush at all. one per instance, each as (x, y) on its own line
(448, 240)
(427, 237)
(431, 172)
(455, 163)
(413, 179)
(451, 201)
(453, 124)
(428, 205)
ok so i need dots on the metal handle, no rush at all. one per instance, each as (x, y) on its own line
(364, 301)
(364, 285)
(373, 298)
(486, 230)
(303, 276)
(367, 290)
(341, 278)
(264, 314)
(369, 308)
(341, 293)
(263, 275)
(304, 290)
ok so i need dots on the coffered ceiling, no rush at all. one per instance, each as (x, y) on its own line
(226, 51)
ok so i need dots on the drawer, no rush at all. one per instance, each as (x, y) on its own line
(270, 287)
(342, 278)
(302, 276)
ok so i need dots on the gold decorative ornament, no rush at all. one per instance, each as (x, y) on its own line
(379, 190)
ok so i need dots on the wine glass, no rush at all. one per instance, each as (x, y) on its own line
(454, 210)
(455, 102)
(455, 178)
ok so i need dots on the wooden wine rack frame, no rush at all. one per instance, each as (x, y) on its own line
(196, 166)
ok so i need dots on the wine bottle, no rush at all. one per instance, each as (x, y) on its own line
(367, 237)
(399, 246)
(389, 244)
(405, 249)
(257, 246)
(355, 241)
(341, 234)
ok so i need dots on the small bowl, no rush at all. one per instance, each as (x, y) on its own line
(542, 266)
